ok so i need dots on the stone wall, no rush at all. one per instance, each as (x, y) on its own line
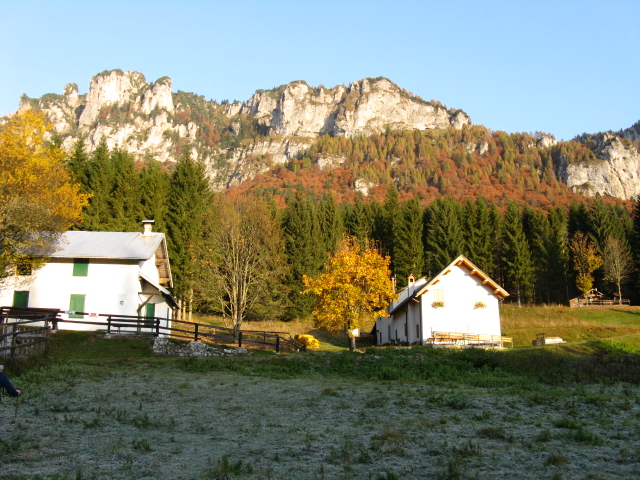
(163, 346)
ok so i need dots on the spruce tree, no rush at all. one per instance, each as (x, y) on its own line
(444, 240)
(358, 221)
(409, 250)
(390, 223)
(100, 179)
(305, 251)
(190, 197)
(125, 194)
(155, 187)
(517, 260)
(331, 223)
(479, 235)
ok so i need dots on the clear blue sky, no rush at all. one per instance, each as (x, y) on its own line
(562, 67)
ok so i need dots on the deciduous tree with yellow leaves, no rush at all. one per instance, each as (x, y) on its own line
(355, 287)
(38, 199)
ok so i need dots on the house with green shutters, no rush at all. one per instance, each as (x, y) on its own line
(94, 273)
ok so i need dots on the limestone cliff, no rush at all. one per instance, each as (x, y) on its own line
(615, 172)
(243, 139)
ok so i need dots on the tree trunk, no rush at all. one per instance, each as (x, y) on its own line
(352, 343)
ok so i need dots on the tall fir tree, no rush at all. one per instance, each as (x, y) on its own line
(409, 249)
(100, 179)
(190, 197)
(390, 222)
(443, 238)
(358, 220)
(331, 223)
(155, 186)
(517, 260)
(125, 201)
(305, 251)
(479, 235)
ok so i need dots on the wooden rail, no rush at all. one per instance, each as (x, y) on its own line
(24, 331)
(475, 339)
(191, 331)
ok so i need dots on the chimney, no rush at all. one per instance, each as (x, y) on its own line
(147, 225)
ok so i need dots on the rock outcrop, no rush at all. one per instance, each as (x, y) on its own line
(365, 107)
(274, 126)
(615, 173)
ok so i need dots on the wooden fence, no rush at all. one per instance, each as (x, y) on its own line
(190, 331)
(25, 331)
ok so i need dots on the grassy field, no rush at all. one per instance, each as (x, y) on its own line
(98, 408)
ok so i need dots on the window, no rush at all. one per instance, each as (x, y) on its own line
(80, 267)
(20, 299)
(24, 266)
(76, 304)
(438, 295)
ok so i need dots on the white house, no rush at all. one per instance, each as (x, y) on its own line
(97, 273)
(460, 305)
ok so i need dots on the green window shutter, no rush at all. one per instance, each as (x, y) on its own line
(80, 267)
(20, 299)
(76, 304)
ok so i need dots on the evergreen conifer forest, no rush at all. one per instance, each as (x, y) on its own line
(505, 210)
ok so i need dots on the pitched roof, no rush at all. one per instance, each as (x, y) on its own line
(464, 261)
(108, 245)
(500, 292)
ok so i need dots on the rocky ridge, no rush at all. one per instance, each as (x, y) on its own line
(274, 126)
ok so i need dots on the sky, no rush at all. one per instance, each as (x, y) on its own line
(560, 67)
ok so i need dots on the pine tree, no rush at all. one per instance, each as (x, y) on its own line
(558, 256)
(390, 223)
(443, 236)
(517, 260)
(331, 223)
(305, 251)
(190, 197)
(155, 186)
(479, 235)
(100, 179)
(78, 163)
(125, 198)
(358, 220)
(409, 250)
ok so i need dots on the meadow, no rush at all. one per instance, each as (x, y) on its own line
(97, 408)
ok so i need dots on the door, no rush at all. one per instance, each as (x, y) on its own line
(149, 313)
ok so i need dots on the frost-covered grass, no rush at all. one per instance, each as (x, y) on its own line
(112, 411)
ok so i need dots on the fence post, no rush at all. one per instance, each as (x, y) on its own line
(239, 339)
(196, 333)
(109, 324)
(278, 344)
(157, 320)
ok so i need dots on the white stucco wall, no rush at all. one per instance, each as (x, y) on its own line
(460, 291)
(111, 287)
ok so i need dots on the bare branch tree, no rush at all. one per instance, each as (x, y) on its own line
(243, 260)
(617, 263)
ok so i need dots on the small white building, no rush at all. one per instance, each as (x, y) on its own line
(98, 273)
(460, 305)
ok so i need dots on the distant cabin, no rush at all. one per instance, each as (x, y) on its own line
(459, 306)
(117, 273)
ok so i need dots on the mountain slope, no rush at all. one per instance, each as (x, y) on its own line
(311, 132)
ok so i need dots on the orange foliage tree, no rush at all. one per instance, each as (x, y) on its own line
(38, 199)
(354, 288)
